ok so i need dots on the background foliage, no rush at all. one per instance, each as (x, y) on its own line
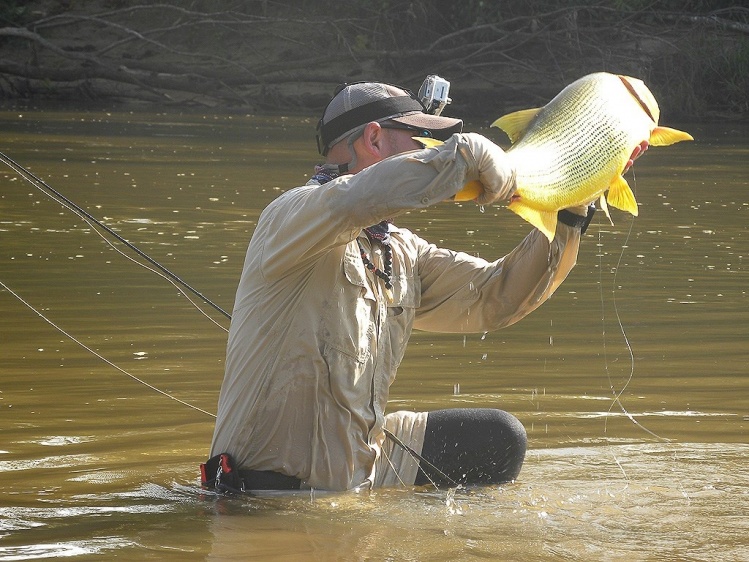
(262, 55)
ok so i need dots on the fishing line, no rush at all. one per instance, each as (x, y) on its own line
(58, 197)
(162, 271)
(97, 354)
(156, 272)
(617, 394)
(423, 463)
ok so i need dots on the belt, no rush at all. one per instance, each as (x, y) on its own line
(220, 474)
(268, 480)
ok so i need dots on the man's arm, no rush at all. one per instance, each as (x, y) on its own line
(308, 221)
(461, 293)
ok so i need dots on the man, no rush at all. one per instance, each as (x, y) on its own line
(331, 290)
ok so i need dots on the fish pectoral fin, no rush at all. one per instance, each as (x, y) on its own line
(665, 136)
(621, 196)
(515, 124)
(428, 142)
(605, 208)
(545, 221)
(470, 191)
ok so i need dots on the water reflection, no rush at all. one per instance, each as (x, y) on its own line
(93, 463)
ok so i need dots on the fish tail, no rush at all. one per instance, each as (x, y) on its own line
(469, 191)
(428, 142)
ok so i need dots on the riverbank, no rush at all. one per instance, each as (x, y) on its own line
(283, 58)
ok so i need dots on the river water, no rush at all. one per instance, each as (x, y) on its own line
(95, 464)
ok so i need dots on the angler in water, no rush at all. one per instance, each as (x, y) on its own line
(331, 289)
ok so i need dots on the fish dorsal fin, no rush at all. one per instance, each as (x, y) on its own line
(515, 124)
(665, 136)
(545, 221)
(605, 208)
(428, 142)
(621, 196)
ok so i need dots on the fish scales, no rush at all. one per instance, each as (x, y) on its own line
(559, 160)
(578, 146)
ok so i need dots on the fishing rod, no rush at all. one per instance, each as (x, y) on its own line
(55, 195)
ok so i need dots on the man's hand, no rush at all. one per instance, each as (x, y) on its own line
(495, 170)
(636, 153)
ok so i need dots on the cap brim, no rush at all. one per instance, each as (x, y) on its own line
(441, 127)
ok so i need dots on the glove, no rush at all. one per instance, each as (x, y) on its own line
(494, 168)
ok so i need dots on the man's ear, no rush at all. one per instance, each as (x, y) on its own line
(373, 139)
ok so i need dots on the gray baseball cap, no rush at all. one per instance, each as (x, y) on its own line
(357, 104)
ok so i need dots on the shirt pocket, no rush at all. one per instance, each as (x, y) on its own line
(348, 337)
(349, 325)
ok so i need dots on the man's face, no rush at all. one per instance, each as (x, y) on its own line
(400, 140)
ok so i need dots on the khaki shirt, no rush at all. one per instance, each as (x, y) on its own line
(315, 344)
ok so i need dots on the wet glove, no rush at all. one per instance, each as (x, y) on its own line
(491, 167)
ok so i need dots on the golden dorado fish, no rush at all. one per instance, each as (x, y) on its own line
(575, 148)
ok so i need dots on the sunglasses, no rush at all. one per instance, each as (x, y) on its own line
(426, 133)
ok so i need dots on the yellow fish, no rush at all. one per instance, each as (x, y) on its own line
(575, 148)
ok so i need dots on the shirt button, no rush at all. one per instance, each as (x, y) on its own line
(424, 200)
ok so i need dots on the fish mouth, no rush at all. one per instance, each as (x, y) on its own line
(630, 87)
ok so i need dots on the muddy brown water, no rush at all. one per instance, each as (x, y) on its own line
(95, 464)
